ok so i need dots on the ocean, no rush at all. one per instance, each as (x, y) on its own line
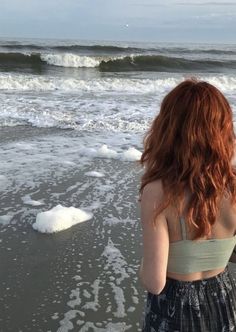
(72, 119)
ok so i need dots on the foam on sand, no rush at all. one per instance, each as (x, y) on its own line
(94, 174)
(3, 182)
(5, 219)
(131, 154)
(105, 152)
(59, 218)
(27, 200)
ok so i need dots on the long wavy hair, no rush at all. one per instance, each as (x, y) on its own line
(190, 146)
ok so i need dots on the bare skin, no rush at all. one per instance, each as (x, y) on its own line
(153, 269)
(225, 227)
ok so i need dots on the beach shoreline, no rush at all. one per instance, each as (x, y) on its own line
(92, 263)
(73, 118)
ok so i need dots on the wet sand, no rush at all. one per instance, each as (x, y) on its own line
(80, 279)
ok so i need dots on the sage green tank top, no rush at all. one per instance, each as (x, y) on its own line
(188, 256)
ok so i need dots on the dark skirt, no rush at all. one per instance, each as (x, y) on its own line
(207, 305)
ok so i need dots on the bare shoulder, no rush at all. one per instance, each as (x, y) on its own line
(151, 197)
(153, 191)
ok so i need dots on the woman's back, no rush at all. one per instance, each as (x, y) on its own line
(223, 229)
(196, 302)
(225, 224)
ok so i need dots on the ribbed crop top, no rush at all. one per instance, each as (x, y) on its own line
(188, 256)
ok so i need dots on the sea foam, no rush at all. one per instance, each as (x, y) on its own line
(60, 218)
(126, 85)
(70, 60)
(94, 174)
(131, 154)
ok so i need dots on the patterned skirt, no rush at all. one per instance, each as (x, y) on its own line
(207, 305)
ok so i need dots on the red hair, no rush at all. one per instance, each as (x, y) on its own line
(189, 146)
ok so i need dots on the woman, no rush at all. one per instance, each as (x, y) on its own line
(188, 213)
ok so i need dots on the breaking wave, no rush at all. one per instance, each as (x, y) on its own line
(158, 63)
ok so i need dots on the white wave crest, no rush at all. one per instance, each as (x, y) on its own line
(39, 83)
(70, 60)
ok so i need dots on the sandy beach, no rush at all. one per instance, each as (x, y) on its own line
(86, 275)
